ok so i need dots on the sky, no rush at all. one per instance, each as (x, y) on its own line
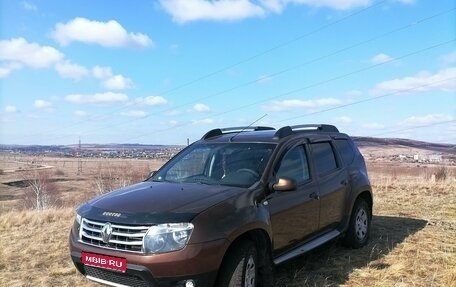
(162, 72)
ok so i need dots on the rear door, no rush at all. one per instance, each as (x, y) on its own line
(294, 214)
(333, 184)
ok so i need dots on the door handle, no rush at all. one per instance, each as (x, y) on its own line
(344, 182)
(314, 195)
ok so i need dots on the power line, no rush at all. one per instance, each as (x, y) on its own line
(312, 85)
(243, 61)
(267, 51)
(412, 128)
(370, 99)
(330, 109)
(412, 24)
(317, 59)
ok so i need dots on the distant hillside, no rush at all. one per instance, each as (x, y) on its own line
(385, 142)
(124, 146)
(360, 141)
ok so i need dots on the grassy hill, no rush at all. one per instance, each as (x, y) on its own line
(413, 243)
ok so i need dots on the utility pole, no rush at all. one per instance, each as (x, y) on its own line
(79, 157)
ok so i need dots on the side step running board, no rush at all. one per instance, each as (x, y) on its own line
(307, 246)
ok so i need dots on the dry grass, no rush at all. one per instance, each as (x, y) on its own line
(413, 243)
(34, 249)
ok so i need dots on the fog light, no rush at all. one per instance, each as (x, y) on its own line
(190, 283)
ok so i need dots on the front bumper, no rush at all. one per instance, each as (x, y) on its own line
(196, 262)
(139, 276)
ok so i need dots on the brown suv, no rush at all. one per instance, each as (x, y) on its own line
(226, 209)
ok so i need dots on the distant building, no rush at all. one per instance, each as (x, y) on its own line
(431, 158)
(435, 158)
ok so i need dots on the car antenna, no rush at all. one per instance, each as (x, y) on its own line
(244, 128)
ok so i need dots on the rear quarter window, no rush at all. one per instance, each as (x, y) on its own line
(345, 150)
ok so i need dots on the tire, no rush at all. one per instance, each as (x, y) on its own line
(359, 227)
(240, 266)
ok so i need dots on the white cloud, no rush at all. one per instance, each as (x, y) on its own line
(426, 120)
(4, 72)
(220, 10)
(104, 98)
(206, 121)
(66, 69)
(134, 114)
(353, 93)
(381, 58)
(373, 126)
(101, 72)
(151, 101)
(406, 1)
(43, 105)
(111, 81)
(199, 107)
(333, 4)
(343, 120)
(287, 105)
(18, 50)
(80, 113)
(448, 59)
(106, 34)
(172, 122)
(275, 6)
(10, 109)
(29, 6)
(118, 82)
(444, 80)
(231, 10)
(173, 113)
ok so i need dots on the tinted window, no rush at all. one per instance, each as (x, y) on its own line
(294, 165)
(232, 164)
(345, 150)
(323, 157)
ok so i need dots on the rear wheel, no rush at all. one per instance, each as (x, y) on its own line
(240, 267)
(360, 222)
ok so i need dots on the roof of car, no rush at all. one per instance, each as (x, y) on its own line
(315, 132)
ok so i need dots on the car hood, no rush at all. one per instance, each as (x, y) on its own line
(156, 202)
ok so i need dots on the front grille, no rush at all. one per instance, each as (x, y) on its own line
(116, 277)
(123, 237)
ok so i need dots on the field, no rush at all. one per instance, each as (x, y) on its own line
(413, 238)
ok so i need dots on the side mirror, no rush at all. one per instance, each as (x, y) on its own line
(152, 173)
(284, 184)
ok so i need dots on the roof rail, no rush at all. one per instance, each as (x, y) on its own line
(219, 132)
(289, 130)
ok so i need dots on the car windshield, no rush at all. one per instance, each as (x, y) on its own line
(232, 164)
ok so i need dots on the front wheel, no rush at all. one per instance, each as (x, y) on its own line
(359, 227)
(240, 267)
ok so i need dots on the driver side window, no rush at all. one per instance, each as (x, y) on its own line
(294, 165)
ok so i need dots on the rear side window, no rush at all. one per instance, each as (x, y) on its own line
(324, 159)
(345, 150)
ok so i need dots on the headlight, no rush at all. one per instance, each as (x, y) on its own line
(167, 237)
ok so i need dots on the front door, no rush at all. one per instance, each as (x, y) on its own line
(294, 214)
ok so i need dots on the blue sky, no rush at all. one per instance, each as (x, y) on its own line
(159, 72)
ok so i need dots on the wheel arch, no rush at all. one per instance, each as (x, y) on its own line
(259, 237)
(367, 196)
(263, 244)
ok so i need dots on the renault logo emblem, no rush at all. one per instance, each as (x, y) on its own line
(106, 232)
